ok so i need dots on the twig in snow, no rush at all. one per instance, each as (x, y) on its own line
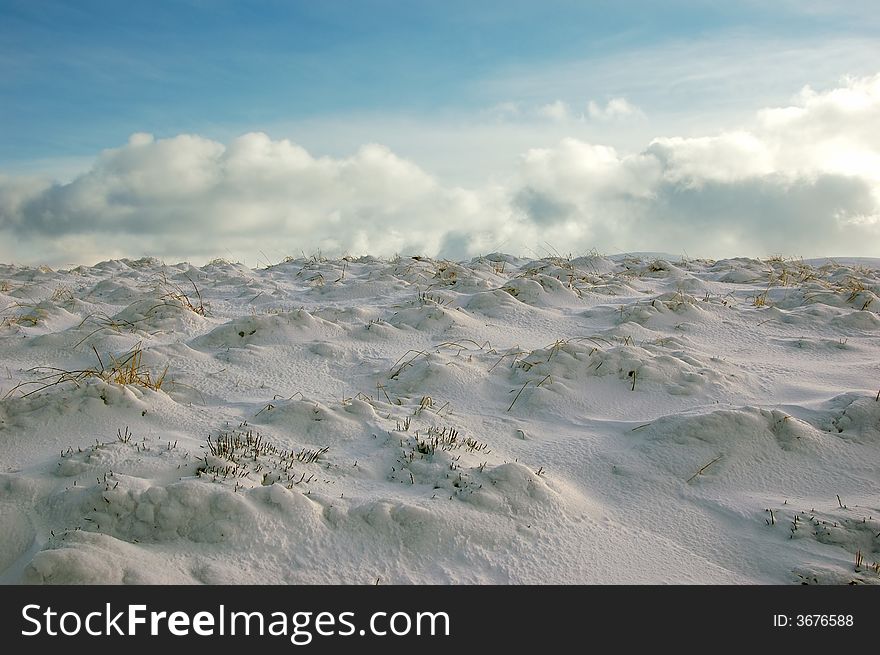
(704, 468)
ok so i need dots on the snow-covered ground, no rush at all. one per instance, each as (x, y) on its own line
(623, 419)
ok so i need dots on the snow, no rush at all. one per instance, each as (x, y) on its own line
(640, 418)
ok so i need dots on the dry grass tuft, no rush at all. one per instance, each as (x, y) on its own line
(175, 293)
(126, 370)
(30, 317)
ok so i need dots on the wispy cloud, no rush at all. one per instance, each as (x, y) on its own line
(555, 111)
(711, 80)
(614, 109)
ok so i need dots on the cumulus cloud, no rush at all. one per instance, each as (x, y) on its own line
(724, 158)
(835, 130)
(193, 197)
(802, 179)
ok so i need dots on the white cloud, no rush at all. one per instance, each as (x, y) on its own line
(801, 179)
(836, 130)
(726, 157)
(192, 197)
(555, 111)
(613, 109)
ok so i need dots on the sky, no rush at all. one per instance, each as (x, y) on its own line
(255, 130)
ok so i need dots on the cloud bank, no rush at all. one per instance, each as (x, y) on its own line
(798, 180)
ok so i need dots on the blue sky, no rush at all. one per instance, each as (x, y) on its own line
(80, 76)
(485, 107)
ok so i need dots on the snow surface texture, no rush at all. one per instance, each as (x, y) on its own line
(621, 419)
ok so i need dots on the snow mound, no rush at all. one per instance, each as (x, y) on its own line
(650, 366)
(858, 420)
(266, 330)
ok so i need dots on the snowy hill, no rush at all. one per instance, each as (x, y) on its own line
(621, 419)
